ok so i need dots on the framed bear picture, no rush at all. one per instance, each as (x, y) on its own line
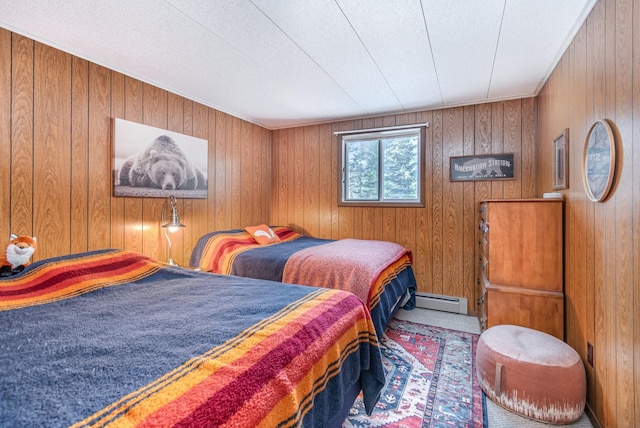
(156, 163)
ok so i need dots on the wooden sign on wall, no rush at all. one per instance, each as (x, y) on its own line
(482, 167)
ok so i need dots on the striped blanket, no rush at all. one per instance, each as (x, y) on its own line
(217, 251)
(114, 338)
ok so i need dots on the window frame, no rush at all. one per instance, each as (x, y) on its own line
(344, 138)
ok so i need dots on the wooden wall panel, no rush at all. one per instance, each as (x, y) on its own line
(56, 133)
(597, 79)
(21, 149)
(311, 167)
(605, 229)
(79, 154)
(246, 175)
(435, 200)
(623, 267)
(221, 213)
(197, 124)
(469, 210)
(100, 178)
(326, 187)
(51, 149)
(452, 205)
(492, 141)
(133, 214)
(635, 161)
(118, 205)
(512, 143)
(278, 168)
(580, 214)
(442, 235)
(5, 132)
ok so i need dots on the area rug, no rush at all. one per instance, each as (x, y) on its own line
(430, 380)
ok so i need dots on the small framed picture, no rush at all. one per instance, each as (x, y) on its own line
(561, 161)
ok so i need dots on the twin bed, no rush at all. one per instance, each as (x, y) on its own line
(115, 338)
(378, 272)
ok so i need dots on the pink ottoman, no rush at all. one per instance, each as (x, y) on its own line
(531, 373)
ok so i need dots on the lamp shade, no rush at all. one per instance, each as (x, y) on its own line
(173, 225)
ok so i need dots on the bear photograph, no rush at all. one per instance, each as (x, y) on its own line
(152, 162)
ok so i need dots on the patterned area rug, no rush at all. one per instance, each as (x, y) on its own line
(430, 380)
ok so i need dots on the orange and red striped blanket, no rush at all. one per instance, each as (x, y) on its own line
(114, 338)
(217, 251)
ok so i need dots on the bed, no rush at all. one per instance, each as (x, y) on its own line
(112, 337)
(378, 272)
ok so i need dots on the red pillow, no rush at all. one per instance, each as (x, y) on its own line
(263, 234)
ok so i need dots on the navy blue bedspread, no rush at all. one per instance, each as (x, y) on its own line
(268, 262)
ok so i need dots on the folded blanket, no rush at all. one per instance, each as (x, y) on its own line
(347, 264)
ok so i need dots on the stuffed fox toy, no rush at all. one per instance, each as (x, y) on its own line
(17, 254)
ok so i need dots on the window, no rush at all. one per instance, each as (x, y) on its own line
(382, 168)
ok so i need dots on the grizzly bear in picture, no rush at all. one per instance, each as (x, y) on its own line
(162, 165)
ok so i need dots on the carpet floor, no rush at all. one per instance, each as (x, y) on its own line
(430, 380)
(496, 416)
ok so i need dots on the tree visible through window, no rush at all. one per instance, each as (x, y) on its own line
(382, 168)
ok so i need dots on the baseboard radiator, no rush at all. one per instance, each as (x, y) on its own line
(440, 302)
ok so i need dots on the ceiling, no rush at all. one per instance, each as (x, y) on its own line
(283, 63)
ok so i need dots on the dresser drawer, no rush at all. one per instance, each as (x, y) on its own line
(537, 309)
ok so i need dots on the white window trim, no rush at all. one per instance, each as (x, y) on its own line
(380, 133)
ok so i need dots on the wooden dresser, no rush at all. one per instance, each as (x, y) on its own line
(521, 266)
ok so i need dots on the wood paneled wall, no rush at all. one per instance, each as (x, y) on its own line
(599, 78)
(56, 115)
(442, 235)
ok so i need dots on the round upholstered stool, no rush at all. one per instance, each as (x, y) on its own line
(531, 373)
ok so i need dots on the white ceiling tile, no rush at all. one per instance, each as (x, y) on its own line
(320, 29)
(282, 63)
(396, 38)
(524, 63)
(280, 66)
(464, 36)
